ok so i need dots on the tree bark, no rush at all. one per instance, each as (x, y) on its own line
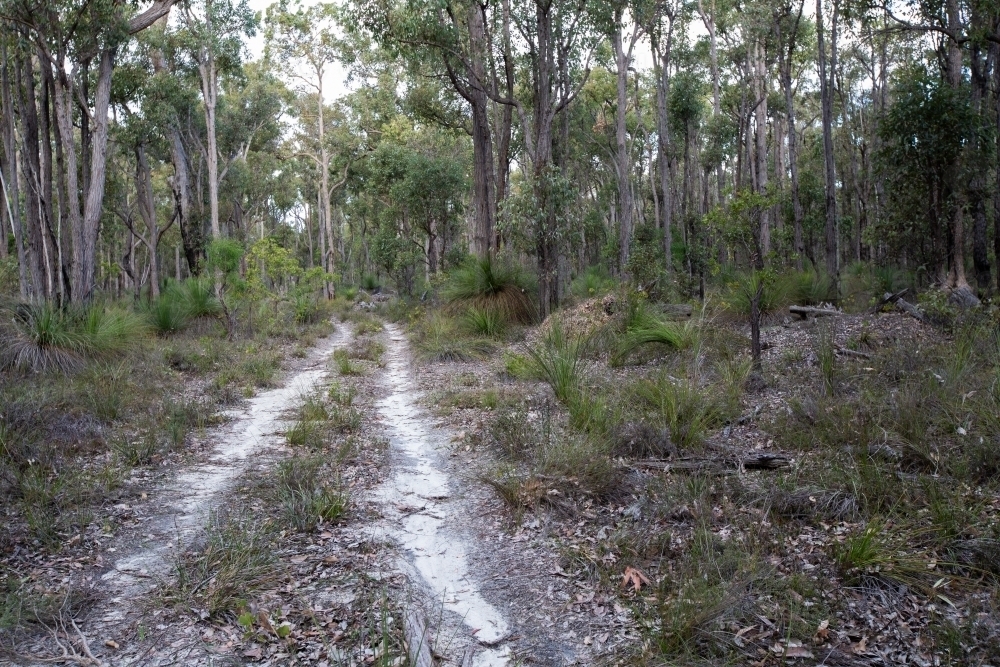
(98, 165)
(623, 166)
(11, 189)
(31, 168)
(826, 82)
(147, 211)
(210, 97)
(760, 136)
(484, 195)
(793, 162)
(661, 55)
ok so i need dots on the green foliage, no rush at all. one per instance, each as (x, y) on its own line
(686, 410)
(438, 337)
(594, 281)
(740, 293)
(484, 322)
(559, 360)
(642, 329)
(489, 284)
(42, 337)
(236, 560)
(304, 497)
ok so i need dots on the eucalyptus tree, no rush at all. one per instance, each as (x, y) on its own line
(67, 40)
(303, 43)
(213, 38)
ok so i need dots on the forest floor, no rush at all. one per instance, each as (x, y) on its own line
(825, 512)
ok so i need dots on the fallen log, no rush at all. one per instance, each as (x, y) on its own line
(853, 353)
(806, 311)
(725, 465)
(418, 641)
(911, 310)
(888, 298)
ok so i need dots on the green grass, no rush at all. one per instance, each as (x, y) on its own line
(484, 322)
(41, 337)
(493, 285)
(306, 500)
(438, 337)
(235, 560)
(560, 361)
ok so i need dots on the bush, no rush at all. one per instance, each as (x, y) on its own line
(592, 282)
(809, 288)
(488, 284)
(167, 314)
(649, 330)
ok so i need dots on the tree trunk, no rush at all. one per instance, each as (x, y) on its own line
(793, 160)
(144, 192)
(977, 182)
(956, 275)
(210, 98)
(30, 168)
(544, 108)
(483, 194)
(826, 95)
(95, 194)
(10, 186)
(663, 150)
(760, 136)
(623, 166)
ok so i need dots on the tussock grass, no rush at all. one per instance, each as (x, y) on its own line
(438, 337)
(687, 411)
(492, 285)
(234, 561)
(484, 322)
(560, 360)
(41, 337)
(305, 497)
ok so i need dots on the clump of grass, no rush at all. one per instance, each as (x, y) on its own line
(592, 282)
(492, 285)
(366, 324)
(713, 584)
(367, 349)
(306, 433)
(513, 434)
(648, 330)
(134, 451)
(305, 499)
(559, 360)
(42, 337)
(235, 561)
(687, 411)
(168, 314)
(484, 322)
(807, 288)
(879, 554)
(438, 337)
(826, 360)
(346, 367)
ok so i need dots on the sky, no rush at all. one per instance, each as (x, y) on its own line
(334, 83)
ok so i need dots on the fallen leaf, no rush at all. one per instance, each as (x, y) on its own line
(798, 652)
(111, 643)
(635, 578)
(823, 632)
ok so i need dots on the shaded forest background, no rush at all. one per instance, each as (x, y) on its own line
(669, 143)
